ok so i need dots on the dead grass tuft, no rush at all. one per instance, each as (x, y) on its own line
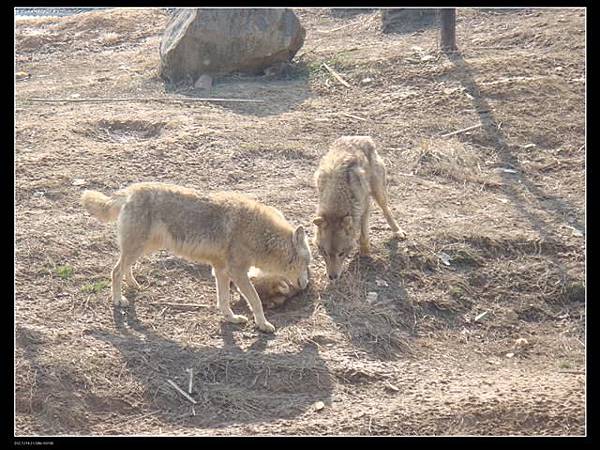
(447, 158)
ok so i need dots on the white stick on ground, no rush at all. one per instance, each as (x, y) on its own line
(352, 116)
(182, 305)
(191, 372)
(141, 99)
(462, 131)
(336, 75)
(181, 391)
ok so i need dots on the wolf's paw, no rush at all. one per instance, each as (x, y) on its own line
(266, 327)
(237, 319)
(400, 234)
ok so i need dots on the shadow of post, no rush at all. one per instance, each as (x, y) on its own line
(492, 129)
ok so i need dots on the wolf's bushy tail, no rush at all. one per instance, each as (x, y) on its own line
(102, 207)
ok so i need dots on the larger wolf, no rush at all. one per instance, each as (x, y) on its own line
(229, 231)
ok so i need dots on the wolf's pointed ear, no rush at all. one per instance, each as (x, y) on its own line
(347, 222)
(299, 236)
(318, 221)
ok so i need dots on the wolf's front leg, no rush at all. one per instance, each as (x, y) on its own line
(241, 280)
(224, 296)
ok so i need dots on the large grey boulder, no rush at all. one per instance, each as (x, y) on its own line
(219, 41)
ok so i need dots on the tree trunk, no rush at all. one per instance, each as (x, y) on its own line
(448, 29)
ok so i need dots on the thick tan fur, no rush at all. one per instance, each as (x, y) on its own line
(348, 176)
(272, 288)
(226, 230)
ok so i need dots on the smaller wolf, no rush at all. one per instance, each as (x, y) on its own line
(226, 230)
(348, 175)
(273, 289)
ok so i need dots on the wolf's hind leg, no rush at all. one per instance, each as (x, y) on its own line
(364, 232)
(123, 267)
(132, 235)
(380, 194)
(130, 279)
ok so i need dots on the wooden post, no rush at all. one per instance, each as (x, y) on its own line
(448, 29)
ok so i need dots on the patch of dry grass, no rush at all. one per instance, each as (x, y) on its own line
(449, 158)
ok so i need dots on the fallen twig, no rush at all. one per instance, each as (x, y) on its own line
(182, 305)
(480, 316)
(181, 391)
(336, 75)
(143, 416)
(352, 116)
(495, 48)
(191, 372)
(576, 372)
(147, 99)
(461, 131)
(335, 29)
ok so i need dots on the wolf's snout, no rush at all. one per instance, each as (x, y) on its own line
(333, 276)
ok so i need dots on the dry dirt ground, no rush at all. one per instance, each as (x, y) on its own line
(495, 218)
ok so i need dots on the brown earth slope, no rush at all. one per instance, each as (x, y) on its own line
(495, 218)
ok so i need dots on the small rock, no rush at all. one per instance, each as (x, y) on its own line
(319, 406)
(521, 343)
(576, 232)
(204, 82)
(372, 297)
(510, 355)
(22, 75)
(366, 80)
(445, 258)
(381, 283)
(79, 182)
